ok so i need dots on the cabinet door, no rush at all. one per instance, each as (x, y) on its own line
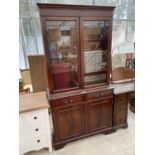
(121, 109)
(96, 49)
(68, 122)
(62, 51)
(121, 116)
(99, 115)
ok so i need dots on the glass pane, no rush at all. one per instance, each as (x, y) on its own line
(24, 9)
(121, 9)
(131, 31)
(22, 61)
(105, 2)
(34, 8)
(123, 37)
(62, 45)
(78, 2)
(118, 34)
(95, 51)
(27, 36)
(131, 9)
(38, 35)
(55, 1)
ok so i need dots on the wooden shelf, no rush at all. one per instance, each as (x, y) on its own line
(90, 40)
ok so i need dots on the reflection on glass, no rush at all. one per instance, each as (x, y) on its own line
(131, 31)
(27, 36)
(95, 51)
(119, 32)
(106, 2)
(76, 2)
(62, 46)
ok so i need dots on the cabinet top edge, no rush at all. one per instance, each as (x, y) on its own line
(69, 6)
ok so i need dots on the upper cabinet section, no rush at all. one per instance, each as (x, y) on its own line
(77, 43)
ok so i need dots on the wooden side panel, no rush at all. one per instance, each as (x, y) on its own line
(99, 115)
(121, 109)
(68, 122)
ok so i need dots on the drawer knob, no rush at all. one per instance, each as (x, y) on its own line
(38, 141)
(35, 117)
(36, 129)
(71, 101)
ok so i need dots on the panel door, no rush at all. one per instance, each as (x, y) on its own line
(62, 50)
(121, 116)
(121, 109)
(68, 122)
(99, 115)
(96, 46)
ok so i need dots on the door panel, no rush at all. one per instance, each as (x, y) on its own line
(62, 40)
(99, 115)
(121, 112)
(68, 122)
(95, 49)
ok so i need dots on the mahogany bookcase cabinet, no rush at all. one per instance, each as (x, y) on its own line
(77, 43)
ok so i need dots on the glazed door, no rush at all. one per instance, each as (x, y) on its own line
(95, 49)
(62, 46)
(99, 115)
(68, 122)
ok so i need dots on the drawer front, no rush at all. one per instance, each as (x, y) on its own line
(98, 95)
(34, 130)
(34, 143)
(28, 119)
(67, 101)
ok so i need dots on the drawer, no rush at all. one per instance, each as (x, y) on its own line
(67, 101)
(34, 130)
(31, 118)
(122, 98)
(99, 95)
(34, 143)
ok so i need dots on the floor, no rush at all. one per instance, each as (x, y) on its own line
(118, 143)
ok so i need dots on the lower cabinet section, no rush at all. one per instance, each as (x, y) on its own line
(76, 117)
(121, 110)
